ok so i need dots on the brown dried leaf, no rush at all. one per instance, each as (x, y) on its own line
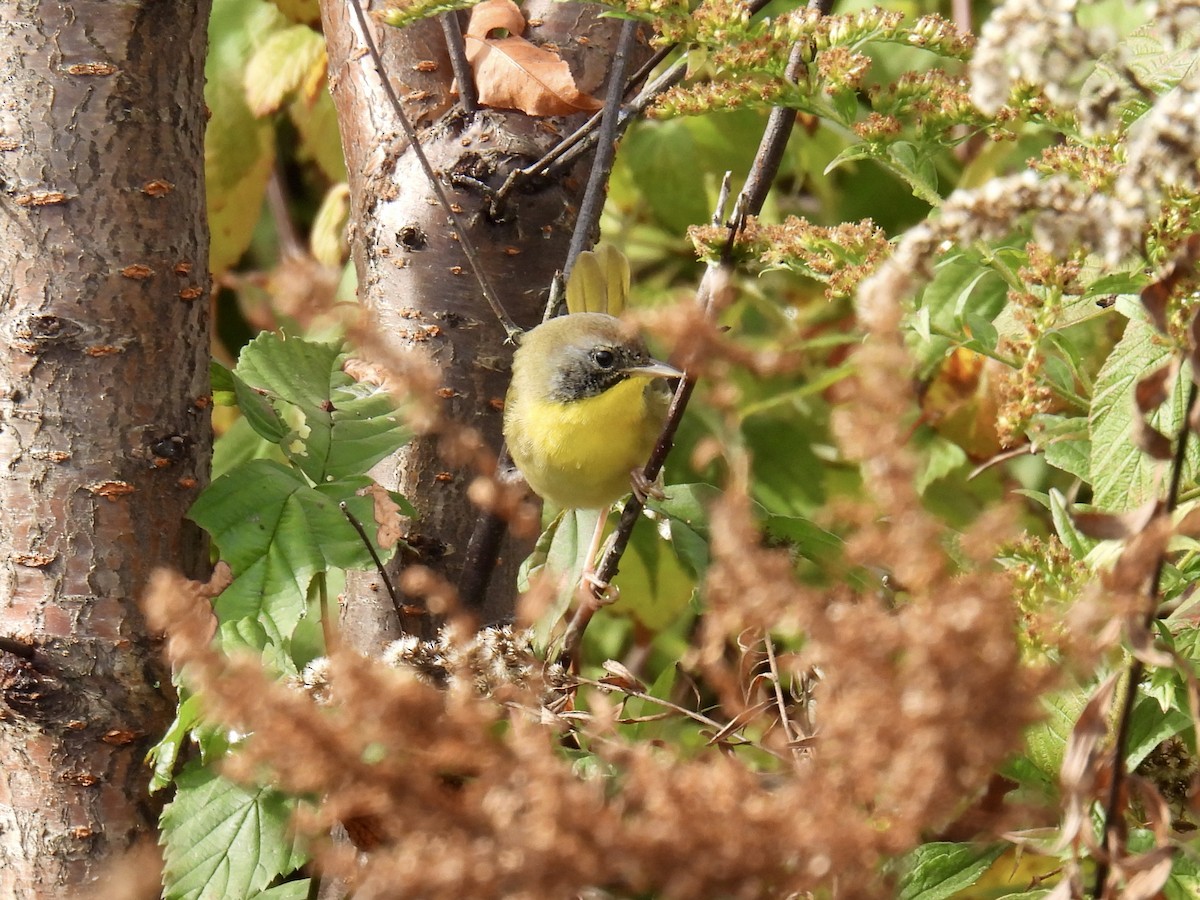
(1113, 526)
(1141, 644)
(495, 15)
(1079, 767)
(387, 516)
(1150, 441)
(1145, 873)
(620, 677)
(1139, 559)
(1151, 390)
(1155, 298)
(511, 73)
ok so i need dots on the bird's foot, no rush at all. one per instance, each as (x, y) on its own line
(601, 592)
(644, 488)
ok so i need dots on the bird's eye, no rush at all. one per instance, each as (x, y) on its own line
(605, 359)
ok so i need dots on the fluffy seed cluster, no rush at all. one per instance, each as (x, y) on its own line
(1038, 43)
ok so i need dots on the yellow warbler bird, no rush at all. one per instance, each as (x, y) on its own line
(586, 400)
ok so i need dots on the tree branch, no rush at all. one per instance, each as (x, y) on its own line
(457, 51)
(510, 327)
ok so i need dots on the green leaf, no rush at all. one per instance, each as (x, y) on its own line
(943, 457)
(1073, 539)
(291, 890)
(806, 537)
(224, 841)
(1150, 726)
(1047, 741)
(281, 64)
(1125, 477)
(558, 554)
(340, 427)
(258, 412)
(239, 149)
(655, 586)
(916, 170)
(1065, 444)
(786, 476)
(165, 754)
(940, 870)
(276, 532)
(238, 445)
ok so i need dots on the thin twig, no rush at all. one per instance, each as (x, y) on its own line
(1136, 667)
(779, 126)
(587, 222)
(784, 719)
(581, 141)
(510, 327)
(484, 544)
(713, 284)
(456, 49)
(638, 105)
(362, 533)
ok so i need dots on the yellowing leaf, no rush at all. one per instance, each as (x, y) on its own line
(327, 240)
(286, 61)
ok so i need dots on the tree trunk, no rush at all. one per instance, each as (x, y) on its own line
(105, 436)
(412, 273)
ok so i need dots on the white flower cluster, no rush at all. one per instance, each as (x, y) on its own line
(1039, 42)
(492, 657)
(1176, 22)
(1163, 151)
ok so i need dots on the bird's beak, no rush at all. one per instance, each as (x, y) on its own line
(653, 369)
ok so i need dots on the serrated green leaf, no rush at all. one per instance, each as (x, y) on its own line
(938, 871)
(281, 64)
(238, 445)
(276, 532)
(340, 427)
(222, 840)
(1149, 726)
(1047, 741)
(1124, 476)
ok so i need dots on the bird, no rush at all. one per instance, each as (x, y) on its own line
(586, 401)
(584, 408)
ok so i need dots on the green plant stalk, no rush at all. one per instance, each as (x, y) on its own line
(1136, 667)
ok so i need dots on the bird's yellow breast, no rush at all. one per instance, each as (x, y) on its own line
(579, 454)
